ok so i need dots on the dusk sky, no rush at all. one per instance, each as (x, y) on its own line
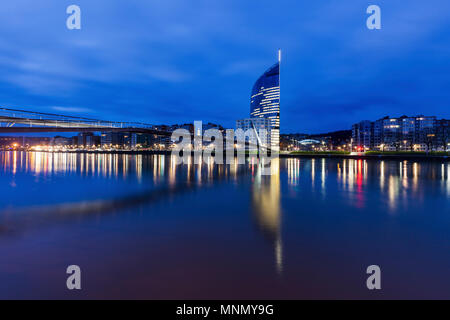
(176, 61)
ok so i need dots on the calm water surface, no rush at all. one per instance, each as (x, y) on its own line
(142, 227)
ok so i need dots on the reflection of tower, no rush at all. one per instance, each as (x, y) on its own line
(266, 208)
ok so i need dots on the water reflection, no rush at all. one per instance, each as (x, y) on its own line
(266, 206)
(40, 163)
(293, 168)
(358, 183)
(393, 181)
(168, 179)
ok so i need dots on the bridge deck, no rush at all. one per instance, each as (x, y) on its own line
(82, 129)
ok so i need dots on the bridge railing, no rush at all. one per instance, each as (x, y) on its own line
(54, 120)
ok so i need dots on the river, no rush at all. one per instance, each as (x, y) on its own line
(140, 226)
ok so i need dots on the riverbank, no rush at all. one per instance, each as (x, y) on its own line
(162, 152)
(413, 156)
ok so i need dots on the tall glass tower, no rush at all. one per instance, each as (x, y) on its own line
(265, 101)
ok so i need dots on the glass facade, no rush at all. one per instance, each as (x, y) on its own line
(259, 125)
(265, 102)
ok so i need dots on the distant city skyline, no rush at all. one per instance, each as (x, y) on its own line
(175, 62)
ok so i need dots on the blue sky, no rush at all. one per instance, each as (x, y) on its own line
(176, 61)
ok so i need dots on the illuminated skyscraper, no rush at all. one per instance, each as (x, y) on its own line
(265, 101)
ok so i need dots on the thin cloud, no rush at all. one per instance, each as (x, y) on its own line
(201, 59)
(168, 74)
(72, 109)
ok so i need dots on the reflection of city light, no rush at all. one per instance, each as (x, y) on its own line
(293, 171)
(445, 177)
(351, 174)
(172, 170)
(14, 162)
(138, 163)
(393, 191)
(448, 180)
(161, 159)
(405, 174)
(279, 255)
(323, 174)
(266, 203)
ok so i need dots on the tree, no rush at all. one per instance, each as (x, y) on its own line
(444, 135)
(429, 141)
(396, 145)
(410, 144)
